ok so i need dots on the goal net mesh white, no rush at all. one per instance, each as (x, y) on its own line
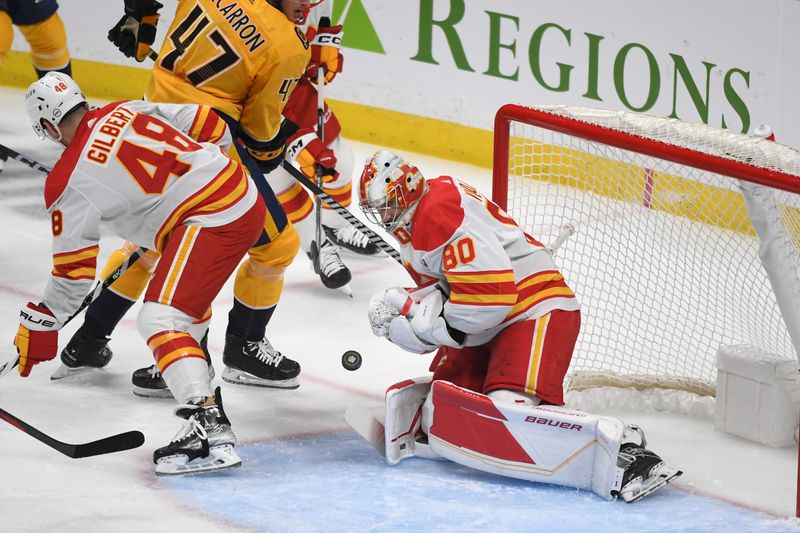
(663, 259)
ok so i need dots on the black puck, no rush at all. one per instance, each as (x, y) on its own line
(351, 360)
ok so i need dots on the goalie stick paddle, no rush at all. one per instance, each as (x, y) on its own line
(89, 298)
(343, 211)
(114, 443)
(367, 425)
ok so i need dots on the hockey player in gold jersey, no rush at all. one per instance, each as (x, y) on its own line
(42, 28)
(242, 59)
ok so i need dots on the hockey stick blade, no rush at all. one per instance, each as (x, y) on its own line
(367, 426)
(114, 443)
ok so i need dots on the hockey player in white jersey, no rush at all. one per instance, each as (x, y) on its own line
(134, 167)
(504, 323)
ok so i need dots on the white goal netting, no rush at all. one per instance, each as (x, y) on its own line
(664, 259)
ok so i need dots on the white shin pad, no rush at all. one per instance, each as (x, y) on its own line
(548, 444)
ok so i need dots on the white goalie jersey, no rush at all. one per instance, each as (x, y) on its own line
(141, 169)
(493, 272)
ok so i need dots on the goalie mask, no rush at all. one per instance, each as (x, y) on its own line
(52, 98)
(389, 188)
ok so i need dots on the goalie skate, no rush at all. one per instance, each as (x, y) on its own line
(205, 443)
(643, 472)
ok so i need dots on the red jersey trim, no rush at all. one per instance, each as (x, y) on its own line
(58, 178)
(439, 214)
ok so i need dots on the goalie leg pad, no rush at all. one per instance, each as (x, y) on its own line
(546, 444)
(403, 418)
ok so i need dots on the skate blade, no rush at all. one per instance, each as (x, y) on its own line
(152, 393)
(237, 377)
(664, 476)
(219, 458)
(63, 371)
(347, 290)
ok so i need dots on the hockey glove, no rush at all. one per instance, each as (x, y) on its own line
(401, 334)
(430, 326)
(37, 337)
(381, 312)
(325, 52)
(307, 151)
(135, 32)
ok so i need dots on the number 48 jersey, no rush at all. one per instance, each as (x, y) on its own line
(493, 272)
(141, 169)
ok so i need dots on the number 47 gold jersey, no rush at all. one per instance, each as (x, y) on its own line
(240, 57)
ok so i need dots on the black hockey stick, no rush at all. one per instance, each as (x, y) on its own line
(6, 152)
(320, 170)
(89, 298)
(114, 443)
(343, 211)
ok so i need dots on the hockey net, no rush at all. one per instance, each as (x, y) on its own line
(663, 257)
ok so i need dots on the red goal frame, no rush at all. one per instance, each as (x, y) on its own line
(648, 147)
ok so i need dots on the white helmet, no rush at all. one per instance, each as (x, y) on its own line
(389, 188)
(51, 98)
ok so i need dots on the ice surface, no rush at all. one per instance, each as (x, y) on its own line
(304, 470)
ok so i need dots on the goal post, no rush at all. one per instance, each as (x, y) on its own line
(664, 258)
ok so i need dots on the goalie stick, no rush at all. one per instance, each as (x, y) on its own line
(114, 443)
(367, 425)
(89, 298)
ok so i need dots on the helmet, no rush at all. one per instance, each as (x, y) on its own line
(389, 188)
(52, 98)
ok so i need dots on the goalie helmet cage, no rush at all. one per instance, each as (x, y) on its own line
(664, 258)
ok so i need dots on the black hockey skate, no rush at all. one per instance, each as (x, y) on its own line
(643, 471)
(332, 271)
(258, 363)
(148, 382)
(350, 238)
(205, 443)
(84, 352)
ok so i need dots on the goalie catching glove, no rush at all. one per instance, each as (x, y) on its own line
(417, 327)
(37, 337)
(135, 32)
(307, 151)
(325, 51)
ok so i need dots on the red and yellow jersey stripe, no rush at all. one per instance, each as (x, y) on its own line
(80, 264)
(207, 126)
(222, 192)
(296, 202)
(537, 288)
(488, 287)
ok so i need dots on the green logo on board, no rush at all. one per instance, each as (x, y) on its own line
(359, 33)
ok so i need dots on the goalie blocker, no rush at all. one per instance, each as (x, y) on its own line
(544, 443)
